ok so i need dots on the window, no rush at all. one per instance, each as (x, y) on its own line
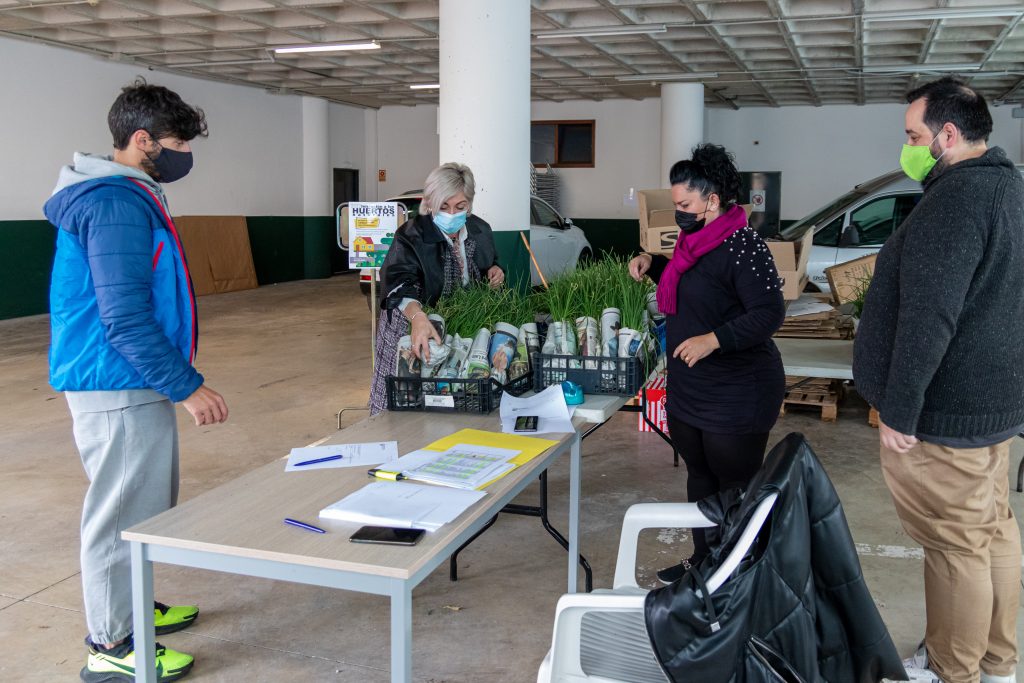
(562, 144)
(545, 215)
(876, 220)
(829, 235)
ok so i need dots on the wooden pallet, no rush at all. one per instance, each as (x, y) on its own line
(816, 392)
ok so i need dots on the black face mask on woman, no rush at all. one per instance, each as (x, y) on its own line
(170, 164)
(688, 222)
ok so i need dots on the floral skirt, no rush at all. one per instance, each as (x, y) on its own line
(391, 327)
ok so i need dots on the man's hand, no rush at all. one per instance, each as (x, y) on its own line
(206, 406)
(893, 440)
(495, 276)
(696, 348)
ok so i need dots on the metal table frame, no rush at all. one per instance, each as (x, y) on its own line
(399, 591)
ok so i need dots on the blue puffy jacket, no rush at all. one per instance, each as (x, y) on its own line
(122, 309)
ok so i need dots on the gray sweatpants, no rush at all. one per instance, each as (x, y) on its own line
(130, 455)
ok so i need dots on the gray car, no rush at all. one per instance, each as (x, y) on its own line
(856, 224)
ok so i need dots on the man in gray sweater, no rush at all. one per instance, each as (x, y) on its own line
(940, 354)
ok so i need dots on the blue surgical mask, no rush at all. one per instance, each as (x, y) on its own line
(450, 223)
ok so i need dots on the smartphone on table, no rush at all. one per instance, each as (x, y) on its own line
(387, 535)
(526, 423)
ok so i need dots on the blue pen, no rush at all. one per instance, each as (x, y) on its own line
(313, 462)
(303, 525)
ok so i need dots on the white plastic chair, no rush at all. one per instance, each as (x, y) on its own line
(601, 637)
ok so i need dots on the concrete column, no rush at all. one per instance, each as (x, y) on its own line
(484, 113)
(682, 123)
(318, 222)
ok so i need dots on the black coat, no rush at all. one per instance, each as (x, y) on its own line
(414, 266)
(801, 592)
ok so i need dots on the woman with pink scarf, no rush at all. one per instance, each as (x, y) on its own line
(722, 297)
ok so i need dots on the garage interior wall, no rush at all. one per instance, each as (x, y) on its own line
(56, 102)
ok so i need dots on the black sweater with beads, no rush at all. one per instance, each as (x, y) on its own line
(735, 292)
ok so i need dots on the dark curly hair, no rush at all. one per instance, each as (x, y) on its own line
(155, 109)
(711, 169)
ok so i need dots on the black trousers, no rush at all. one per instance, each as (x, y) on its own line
(715, 462)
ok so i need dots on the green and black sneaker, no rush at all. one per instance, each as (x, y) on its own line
(169, 619)
(118, 663)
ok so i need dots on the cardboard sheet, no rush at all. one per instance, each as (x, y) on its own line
(218, 252)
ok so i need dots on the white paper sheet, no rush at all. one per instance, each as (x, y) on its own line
(807, 305)
(554, 416)
(353, 455)
(463, 466)
(402, 504)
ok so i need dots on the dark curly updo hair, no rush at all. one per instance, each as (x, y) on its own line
(155, 109)
(711, 169)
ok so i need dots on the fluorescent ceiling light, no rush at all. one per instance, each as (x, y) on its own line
(326, 48)
(595, 31)
(948, 13)
(682, 76)
(425, 86)
(920, 68)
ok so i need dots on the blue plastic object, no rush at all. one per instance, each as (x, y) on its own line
(573, 393)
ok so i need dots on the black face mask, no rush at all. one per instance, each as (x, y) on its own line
(688, 222)
(170, 165)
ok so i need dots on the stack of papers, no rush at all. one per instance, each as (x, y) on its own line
(549, 406)
(462, 466)
(402, 504)
(352, 455)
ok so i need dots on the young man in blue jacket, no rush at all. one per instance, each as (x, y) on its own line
(123, 323)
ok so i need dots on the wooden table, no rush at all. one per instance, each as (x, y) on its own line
(239, 528)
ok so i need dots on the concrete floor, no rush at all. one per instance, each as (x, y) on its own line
(287, 358)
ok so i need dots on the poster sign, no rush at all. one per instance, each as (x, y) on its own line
(757, 200)
(371, 230)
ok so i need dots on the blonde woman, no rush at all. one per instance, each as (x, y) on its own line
(444, 247)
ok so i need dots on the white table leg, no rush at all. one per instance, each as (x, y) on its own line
(401, 635)
(142, 615)
(574, 512)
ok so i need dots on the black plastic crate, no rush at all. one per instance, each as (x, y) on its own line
(596, 374)
(452, 395)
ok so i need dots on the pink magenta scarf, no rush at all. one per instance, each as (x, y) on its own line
(689, 249)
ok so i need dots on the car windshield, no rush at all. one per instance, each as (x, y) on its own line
(796, 230)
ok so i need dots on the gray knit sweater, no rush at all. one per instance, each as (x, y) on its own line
(940, 346)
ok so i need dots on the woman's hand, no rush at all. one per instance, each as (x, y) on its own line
(696, 348)
(639, 266)
(495, 276)
(422, 332)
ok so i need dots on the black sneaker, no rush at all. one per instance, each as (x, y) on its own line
(675, 572)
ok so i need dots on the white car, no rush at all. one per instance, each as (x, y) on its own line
(557, 244)
(857, 223)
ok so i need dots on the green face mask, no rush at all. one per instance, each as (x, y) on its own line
(917, 160)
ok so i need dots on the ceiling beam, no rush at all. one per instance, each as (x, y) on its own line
(718, 38)
(787, 37)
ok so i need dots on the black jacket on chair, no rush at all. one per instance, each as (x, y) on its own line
(414, 266)
(800, 594)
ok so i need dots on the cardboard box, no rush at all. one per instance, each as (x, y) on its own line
(848, 279)
(659, 240)
(655, 201)
(791, 261)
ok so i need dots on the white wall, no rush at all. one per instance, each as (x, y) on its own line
(407, 147)
(627, 154)
(825, 151)
(348, 144)
(55, 102)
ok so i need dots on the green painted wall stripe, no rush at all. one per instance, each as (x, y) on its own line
(26, 259)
